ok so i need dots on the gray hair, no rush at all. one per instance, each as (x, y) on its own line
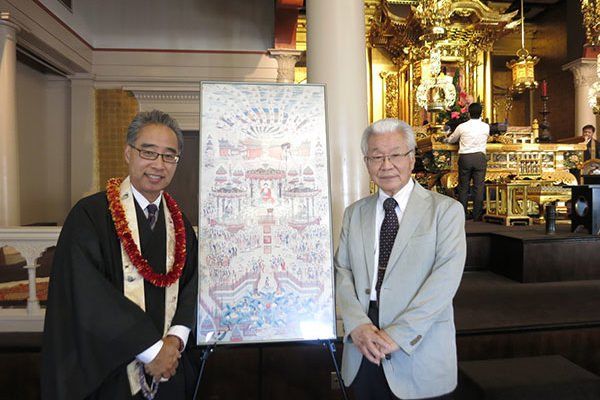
(153, 117)
(389, 125)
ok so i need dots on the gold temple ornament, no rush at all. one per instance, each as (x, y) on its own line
(523, 71)
(436, 92)
(462, 32)
(590, 9)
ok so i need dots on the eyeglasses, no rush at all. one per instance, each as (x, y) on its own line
(377, 161)
(152, 155)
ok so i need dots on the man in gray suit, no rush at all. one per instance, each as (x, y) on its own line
(397, 270)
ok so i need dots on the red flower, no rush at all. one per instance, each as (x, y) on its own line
(454, 114)
(118, 214)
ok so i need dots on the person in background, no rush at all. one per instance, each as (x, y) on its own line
(472, 163)
(588, 132)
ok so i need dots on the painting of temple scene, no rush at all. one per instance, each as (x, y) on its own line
(265, 255)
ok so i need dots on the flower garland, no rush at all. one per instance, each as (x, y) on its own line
(113, 193)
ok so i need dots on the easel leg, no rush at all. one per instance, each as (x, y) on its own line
(205, 353)
(331, 346)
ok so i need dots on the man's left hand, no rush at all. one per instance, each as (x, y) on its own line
(166, 361)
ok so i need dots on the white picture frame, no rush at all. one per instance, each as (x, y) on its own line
(266, 271)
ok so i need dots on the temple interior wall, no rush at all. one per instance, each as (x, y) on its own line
(156, 24)
(55, 170)
(49, 165)
(43, 124)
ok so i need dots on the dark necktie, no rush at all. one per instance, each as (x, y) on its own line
(387, 235)
(152, 214)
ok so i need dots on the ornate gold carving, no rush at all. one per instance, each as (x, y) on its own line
(590, 9)
(391, 102)
(538, 163)
(459, 28)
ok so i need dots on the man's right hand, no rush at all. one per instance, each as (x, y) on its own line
(369, 342)
(166, 361)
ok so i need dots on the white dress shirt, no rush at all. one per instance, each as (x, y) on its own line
(473, 136)
(402, 199)
(182, 332)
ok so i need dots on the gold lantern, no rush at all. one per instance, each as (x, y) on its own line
(523, 71)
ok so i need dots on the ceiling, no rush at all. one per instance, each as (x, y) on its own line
(532, 8)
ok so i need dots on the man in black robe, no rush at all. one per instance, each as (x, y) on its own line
(103, 314)
(588, 132)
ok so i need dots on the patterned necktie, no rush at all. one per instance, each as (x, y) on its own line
(152, 215)
(387, 235)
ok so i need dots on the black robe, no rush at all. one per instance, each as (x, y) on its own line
(92, 331)
(587, 153)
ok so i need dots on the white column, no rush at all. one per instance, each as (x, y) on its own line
(336, 56)
(584, 73)
(10, 210)
(83, 137)
(286, 61)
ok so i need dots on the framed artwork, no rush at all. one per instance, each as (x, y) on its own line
(264, 226)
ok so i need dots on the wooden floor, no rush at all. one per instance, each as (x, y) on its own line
(525, 293)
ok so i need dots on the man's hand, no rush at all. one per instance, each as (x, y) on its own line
(369, 342)
(392, 345)
(166, 361)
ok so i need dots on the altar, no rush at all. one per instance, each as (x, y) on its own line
(540, 170)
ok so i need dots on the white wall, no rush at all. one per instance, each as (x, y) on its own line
(175, 24)
(115, 68)
(51, 176)
(43, 131)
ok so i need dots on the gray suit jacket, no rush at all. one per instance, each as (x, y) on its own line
(422, 276)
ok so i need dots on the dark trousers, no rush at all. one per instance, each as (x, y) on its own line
(472, 166)
(370, 382)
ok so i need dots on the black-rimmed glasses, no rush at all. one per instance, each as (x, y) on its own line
(152, 155)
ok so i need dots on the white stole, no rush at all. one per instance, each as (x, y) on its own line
(133, 282)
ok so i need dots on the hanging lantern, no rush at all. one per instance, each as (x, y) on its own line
(523, 72)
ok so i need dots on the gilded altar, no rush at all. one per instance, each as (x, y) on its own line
(428, 46)
(509, 157)
(542, 169)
